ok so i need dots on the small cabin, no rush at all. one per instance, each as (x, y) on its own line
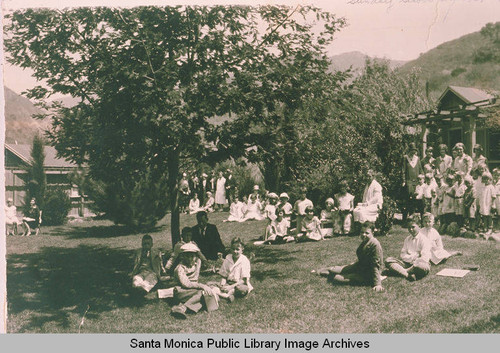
(462, 114)
(57, 172)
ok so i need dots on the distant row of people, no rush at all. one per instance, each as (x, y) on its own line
(29, 223)
(214, 192)
(458, 189)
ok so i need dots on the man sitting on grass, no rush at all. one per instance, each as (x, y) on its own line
(415, 255)
(207, 237)
(147, 266)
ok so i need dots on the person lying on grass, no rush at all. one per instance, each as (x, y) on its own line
(147, 266)
(186, 237)
(414, 258)
(188, 291)
(438, 253)
(365, 271)
(235, 272)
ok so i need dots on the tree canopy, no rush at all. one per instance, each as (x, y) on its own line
(148, 79)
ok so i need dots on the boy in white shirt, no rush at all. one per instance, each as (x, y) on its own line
(235, 272)
(414, 258)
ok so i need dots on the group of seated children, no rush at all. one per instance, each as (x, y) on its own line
(421, 248)
(194, 204)
(335, 219)
(30, 222)
(185, 265)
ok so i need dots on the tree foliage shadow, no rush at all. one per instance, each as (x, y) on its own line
(58, 281)
(98, 232)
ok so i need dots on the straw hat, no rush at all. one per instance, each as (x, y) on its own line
(284, 195)
(189, 247)
(272, 195)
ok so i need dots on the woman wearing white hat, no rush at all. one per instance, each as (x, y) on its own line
(11, 220)
(209, 204)
(188, 290)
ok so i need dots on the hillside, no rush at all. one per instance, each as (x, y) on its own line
(357, 60)
(20, 127)
(452, 63)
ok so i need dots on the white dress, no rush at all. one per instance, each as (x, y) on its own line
(438, 253)
(194, 206)
(220, 191)
(372, 202)
(237, 212)
(253, 211)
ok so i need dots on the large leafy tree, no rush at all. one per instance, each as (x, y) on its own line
(148, 79)
(290, 68)
(359, 128)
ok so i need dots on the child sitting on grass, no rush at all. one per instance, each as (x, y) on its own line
(367, 269)
(329, 219)
(186, 237)
(310, 227)
(210, 203)
(438, 253)
(414, 258)
(235, 272)
(147, 266)
(188, 291)
(277, 231)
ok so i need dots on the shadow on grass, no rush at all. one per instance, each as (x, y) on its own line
(111, 231)
(58, 281)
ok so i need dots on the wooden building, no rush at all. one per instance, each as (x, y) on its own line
(463, 114)
(57, 170)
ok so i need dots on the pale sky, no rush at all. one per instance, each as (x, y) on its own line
(395, 29)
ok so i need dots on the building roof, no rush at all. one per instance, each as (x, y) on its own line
(469, 95)
(51, 159)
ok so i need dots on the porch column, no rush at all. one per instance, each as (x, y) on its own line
(472, 134)
(425, 132)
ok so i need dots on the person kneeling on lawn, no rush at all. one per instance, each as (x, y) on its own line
(415, 255)
(365, 271)
(146, 272)
(188, 291)
(235, 272)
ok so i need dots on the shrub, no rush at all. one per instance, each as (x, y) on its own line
(453, 229)
(57, 207)
(385, 218)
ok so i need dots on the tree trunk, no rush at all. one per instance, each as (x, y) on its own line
(173, 195)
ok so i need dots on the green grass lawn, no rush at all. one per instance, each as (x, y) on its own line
(52, 279)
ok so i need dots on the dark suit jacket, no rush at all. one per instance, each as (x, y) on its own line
(209, 243)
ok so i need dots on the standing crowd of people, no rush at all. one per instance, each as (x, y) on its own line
(460, 191)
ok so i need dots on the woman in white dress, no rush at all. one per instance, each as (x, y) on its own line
(220, 192)
(367, 211)
(253, 209)
(236, 211)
